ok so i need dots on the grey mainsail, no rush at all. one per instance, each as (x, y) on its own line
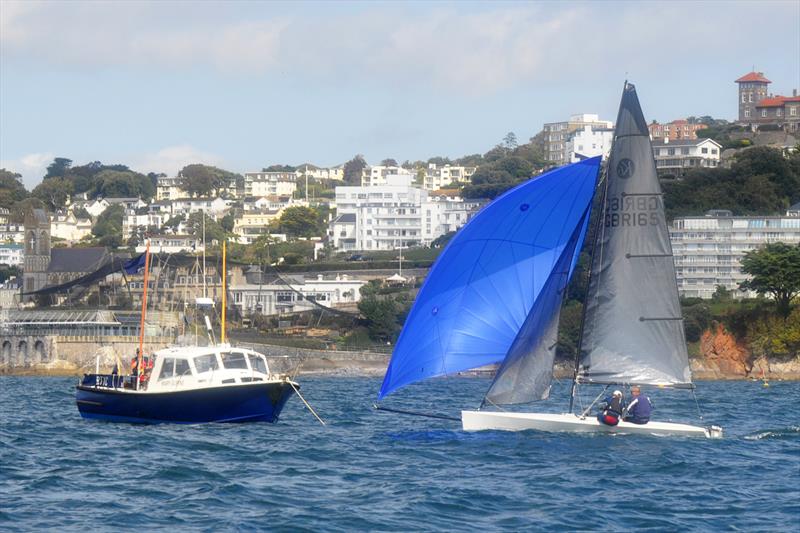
(527, 371)
(633, 331)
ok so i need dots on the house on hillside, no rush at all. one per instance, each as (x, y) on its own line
(675, 158)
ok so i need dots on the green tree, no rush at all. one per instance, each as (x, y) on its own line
(510, 141)
(11, 188)
(123, 184)
(775, 270)
(389, 162)
(53, 192)
(214, 230)
(299, 221)
(381, 316)
(58, 168)
(352, 170)
(205, 180)
(108, 226)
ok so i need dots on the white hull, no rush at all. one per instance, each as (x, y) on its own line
(507, 421)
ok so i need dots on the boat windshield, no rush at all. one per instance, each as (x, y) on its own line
(174, 367)
(258, 363)
(234, 360)
(206, 362)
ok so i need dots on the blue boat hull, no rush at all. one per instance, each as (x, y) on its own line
(253, 402)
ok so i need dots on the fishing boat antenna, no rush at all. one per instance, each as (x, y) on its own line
(140, 359)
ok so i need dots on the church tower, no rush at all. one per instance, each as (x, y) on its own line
(752, 89)
(37, 250)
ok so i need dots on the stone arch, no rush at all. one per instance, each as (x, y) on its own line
(31, 248)
(39, 351)
(22, 353)
(44, 242)
(5, 353)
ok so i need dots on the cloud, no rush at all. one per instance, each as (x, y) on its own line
(474, 48)
(31, 167)
(171, 159)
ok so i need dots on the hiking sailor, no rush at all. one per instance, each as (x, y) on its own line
(638, 411)
(612, 411)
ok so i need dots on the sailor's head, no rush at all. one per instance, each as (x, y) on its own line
(617, 394)
(635, 389)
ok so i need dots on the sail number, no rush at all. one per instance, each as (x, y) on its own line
(633, 211)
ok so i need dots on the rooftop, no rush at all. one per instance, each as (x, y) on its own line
(777, 101)
(753, 76)
(76, 259)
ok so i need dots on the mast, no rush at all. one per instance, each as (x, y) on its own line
(144, 312)
(224, 291)
(205, 293)
(602, 178)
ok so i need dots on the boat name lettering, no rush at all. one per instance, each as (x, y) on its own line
(633, 211)
(102, 381)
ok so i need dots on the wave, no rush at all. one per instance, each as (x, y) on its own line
(791, 432)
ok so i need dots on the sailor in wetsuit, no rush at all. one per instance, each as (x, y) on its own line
(612, 411)
(640, 408)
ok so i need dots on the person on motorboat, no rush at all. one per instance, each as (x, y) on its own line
(612, 411)
(640, 408)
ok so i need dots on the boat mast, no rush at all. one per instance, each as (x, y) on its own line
(205, 293)
(602, 178)
(224, 290)
(144, 312)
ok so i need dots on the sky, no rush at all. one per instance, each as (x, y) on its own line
(243, 85)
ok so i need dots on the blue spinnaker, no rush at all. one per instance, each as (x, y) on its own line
(484, 284)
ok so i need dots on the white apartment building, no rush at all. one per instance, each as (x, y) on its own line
(12, 233)
(389, 217)
(169, 188)
(589, 141)
(131, 221)
(333, 173)
(383, 175)
(213, 207)
(12, 254)
(5, 216)
(292, 295)
(675, 157)
(70, 228)
(708, 249)
(253, 224)
(258, 184)
(171, 244)
(556, 135)
(441, 177)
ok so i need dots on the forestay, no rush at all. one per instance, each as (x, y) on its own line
(483, 286)
(633, 332)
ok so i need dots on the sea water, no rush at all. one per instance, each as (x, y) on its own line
(371, 470)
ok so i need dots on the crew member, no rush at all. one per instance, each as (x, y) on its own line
(612, 411)
(638, 411)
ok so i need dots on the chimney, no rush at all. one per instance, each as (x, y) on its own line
(794, 92)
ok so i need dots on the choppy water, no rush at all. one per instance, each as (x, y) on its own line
(369, 470)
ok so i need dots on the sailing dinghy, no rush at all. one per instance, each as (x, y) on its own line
(495, 293)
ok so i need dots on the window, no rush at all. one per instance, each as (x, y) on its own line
(750, 97)
(685, 151)
(778, 112)
(233, 360)
(167, 369)
(793, 111)
(670, 151)
(704, 150)
(257, 363)
(747, 112)
(204, 363)
(744, 98)
(284, 296)
(182, 368)
(763, 112)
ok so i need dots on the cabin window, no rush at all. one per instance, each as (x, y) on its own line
(204, 363)
(167, 368)
(258, 364)
(182, 368)
(234, 360)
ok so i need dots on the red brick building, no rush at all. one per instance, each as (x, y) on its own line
(674, 131)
